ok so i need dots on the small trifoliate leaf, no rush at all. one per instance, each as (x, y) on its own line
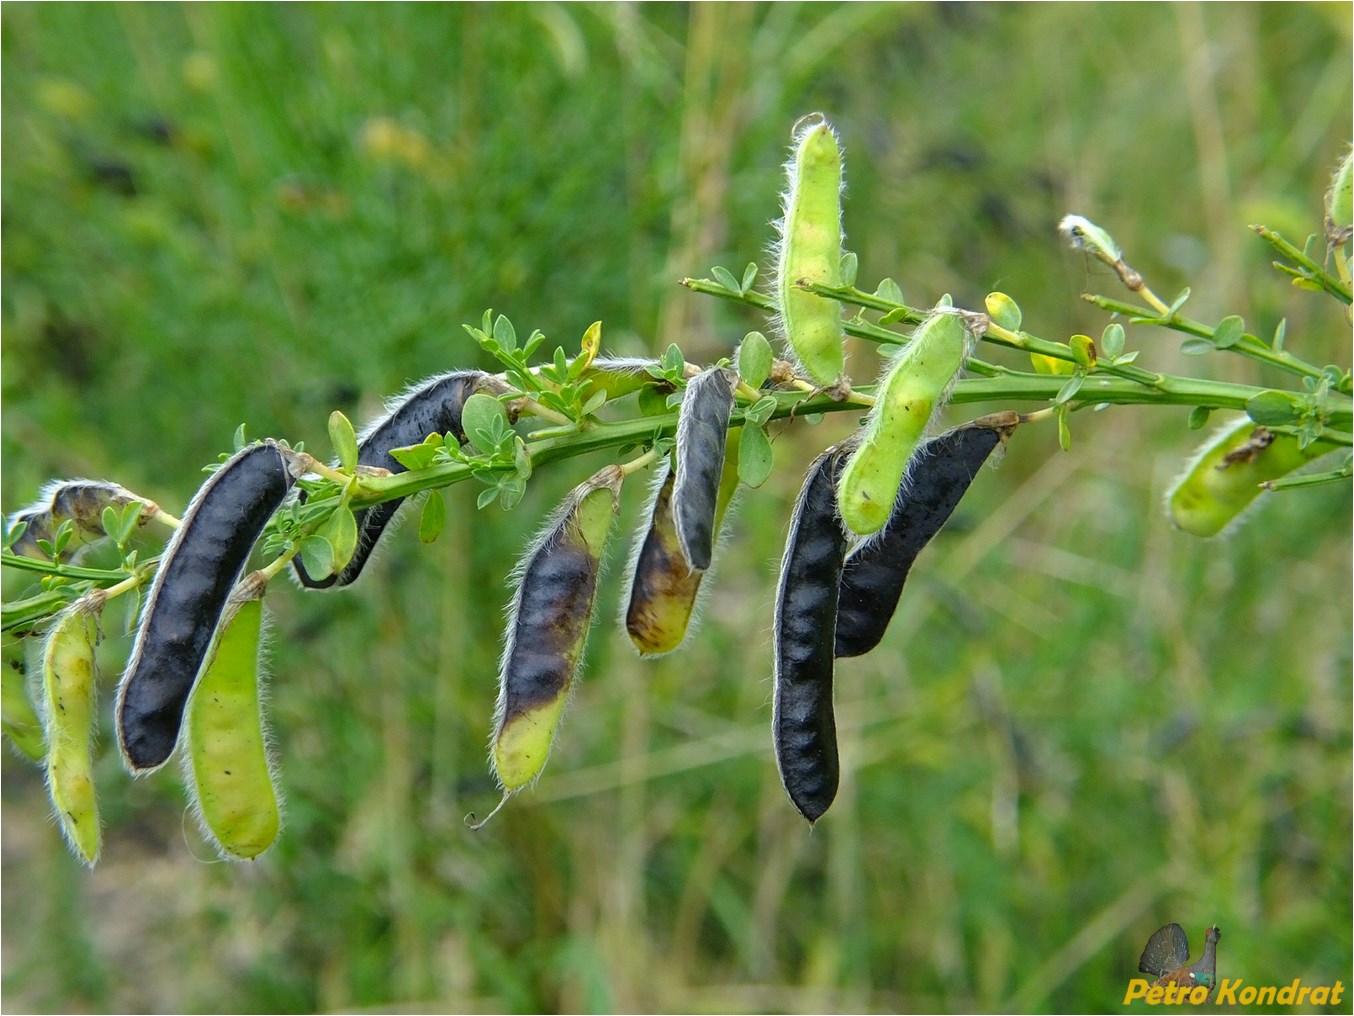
(433, 517)
(480, 418)
(749, 276)
(754, 358)
(1229, 332)
(725, 278)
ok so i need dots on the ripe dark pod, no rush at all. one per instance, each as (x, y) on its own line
(874, 573)
(702, 433)
(198, 570)
(82, 503)
(430, 407)
(804, 731)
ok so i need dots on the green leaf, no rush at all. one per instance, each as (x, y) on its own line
(1196, 347)
(1177, 303)
(754, 358)
(1069, 388)
(480, 417)
(486, 498)
(595, 403)
(674, 362)
(755, 458)
(12, 535)
(897, 314)
(725, 278)
(749, 276)
(433, 517)
(1198, 416)
(652, 401)
(344, 441)
(849, 266)
(1112, 340)
(133, 611)
(318, 557)
(1229, 331)
(1273, 409)
(522, 459)
(1280, 333)
(340, 530)
(888, 290)
(760, 411)
(505, 334)
(1064, 430)
(510, 492)
(419, 456)
(112, 524)
(239, 439)
(1003, 311)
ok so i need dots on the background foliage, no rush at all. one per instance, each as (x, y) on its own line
(1082, 724)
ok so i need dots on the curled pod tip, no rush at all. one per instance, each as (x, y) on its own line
(69, 679)
(198, 570)
(804, 731)
(1224, 476)
(227, 765)
(916, 383)
(432, 406)
(548, 624)
(809, 248)
(875, 571)
(702, 436)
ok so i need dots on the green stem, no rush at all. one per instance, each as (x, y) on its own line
(1315, 272)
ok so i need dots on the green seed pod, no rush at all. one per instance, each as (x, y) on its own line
(68, 693)
(663, 589)
(702, 433)
(810, 249)
(226, 762)
(18, 718)
(1225, 475)
(915, 385)
(803, 728)
(548, 626)
(620, 376)
(82, 503)
(1340, 203)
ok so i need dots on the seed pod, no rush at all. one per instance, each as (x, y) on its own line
(80, 501)
(810, 249)
(874, 573)
(430, 407)
(198, 569)
(68, 693)
(18, 718)
(1225, 474)
(917, 383)
(548, 626)
(1340, 203)
(227, 764)
(663, 589)
(803, 729)
(702, 431)
(620, 376)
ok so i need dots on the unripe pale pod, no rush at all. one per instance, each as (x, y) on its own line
(548, 627)
(874, 573)
(199, 568)
(916, 384)
(810, 249)
(68, 696)
(804, 731)
(1224, 476)
(620, 376)
(432, 406)
(80, 501)
(1340, 202)
(702, 432)
(227, 764)
(663, 588)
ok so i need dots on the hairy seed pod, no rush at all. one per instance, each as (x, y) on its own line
(663, 589)
(702, 432)
(227, 763)
(917, 383)
(874, 573)
(198, 570)
(429, 407)
(68, 693)
(548, 626)
(810, 249)
(18, 718)
(619, 376)
(803, 729)
(80, 501)
(1224, 476)
(1340, 202)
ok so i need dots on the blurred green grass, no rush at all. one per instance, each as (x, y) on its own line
(1081, 726)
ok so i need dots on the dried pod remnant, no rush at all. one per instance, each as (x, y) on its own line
(874, 573)
(68, 696)
(916, 383)
(548, 627)
(82, 503)
(226, 760)
(1225, 475)
(702, 433)
(197, 572)
(663, 588)
(810, 250)
(804, 731)
(430, 407)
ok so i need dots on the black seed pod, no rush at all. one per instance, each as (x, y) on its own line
(803, 729)
(80, 501)
(431, 407)
(702, 432)
(872, 580)
(198, 569)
